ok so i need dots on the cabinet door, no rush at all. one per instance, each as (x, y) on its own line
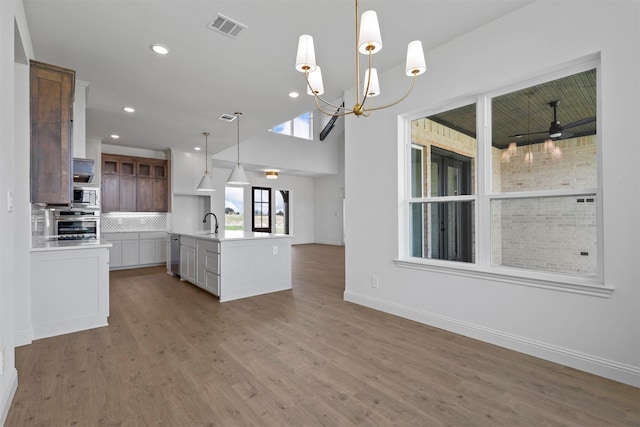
(110, 193)
(161, 250)
(187, 263)
(115, 254)
(160, 195)
(212, 283)
(144, 194)
(127, 194)
(148, 251)
(130, 252)
(51, 104)
(181, 173)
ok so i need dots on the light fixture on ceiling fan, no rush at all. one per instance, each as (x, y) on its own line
(238, 176)
(206, 183)
(368, 42)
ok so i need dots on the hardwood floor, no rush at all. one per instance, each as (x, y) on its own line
(174, 356)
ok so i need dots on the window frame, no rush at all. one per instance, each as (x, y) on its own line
(269, 203)
(482, 267)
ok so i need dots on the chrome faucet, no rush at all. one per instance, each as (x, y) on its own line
(216, 218)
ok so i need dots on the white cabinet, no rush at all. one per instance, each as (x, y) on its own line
(236, 268)
(186, 172)
(132, 250)
(188, 259)
(69, 290)
(153, 248)
(208, 265)
(125, 250)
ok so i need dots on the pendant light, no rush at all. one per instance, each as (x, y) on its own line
(206, 183)
(238, 176)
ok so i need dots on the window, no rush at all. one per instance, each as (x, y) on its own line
(299, 127)
(442, 187)
(261, 202)
(530, 182)
(234, 208)
(282, 212)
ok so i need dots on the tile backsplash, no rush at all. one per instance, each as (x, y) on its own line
(118, 222)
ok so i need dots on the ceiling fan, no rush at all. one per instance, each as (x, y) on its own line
(556, 130)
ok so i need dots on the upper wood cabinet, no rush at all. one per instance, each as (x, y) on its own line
(134, 184)
(52, 92)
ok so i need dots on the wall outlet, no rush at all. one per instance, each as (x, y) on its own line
(275, 250)
(375, 282)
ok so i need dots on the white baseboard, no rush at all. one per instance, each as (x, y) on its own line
(584, 362)
(7, 395)
(23, 337)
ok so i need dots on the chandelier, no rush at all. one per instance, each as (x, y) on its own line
(368, 42)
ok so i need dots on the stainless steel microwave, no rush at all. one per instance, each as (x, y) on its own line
(86, 197)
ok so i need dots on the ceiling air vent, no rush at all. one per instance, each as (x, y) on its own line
(226, 26)
(227, 117)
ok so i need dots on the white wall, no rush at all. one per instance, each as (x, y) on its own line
(14, 224)
(596, 334)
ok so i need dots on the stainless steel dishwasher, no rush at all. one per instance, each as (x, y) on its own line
(175, 254)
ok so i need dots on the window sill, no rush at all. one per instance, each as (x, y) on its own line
(556, 282)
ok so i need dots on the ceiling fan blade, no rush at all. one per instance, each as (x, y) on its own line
(581, 122)
(519, 135)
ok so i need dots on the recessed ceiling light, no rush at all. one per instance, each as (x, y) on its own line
(160, 49)
(114, 136)
(129, 109)
(197, 148)
(293, 94)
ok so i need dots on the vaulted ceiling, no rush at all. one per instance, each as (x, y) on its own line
(206, 74)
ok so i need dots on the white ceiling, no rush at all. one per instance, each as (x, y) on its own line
(206, 74)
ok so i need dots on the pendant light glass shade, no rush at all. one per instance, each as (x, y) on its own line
(238, 176)
(206, 183)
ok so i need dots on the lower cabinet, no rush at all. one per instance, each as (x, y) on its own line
(208, 265)
(133, 250)
(69, 290)
(188, 259)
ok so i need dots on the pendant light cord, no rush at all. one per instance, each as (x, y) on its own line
(238, 128)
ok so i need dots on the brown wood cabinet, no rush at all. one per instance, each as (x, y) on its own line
(52, 90)
(134, 184)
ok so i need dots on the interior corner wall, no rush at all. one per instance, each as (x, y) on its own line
(15, 48)
(600, 335)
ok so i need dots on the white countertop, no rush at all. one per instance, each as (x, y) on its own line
(230, 235)
(42, 244)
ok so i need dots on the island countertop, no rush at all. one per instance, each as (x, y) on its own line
(226, 235)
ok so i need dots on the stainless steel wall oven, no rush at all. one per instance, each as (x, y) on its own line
(74, 224)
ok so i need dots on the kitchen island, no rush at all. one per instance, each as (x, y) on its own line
(235, 264)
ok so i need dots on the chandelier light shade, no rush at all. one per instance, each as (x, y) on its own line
(271, 174)
(415, 59)
(238, 176)
(315, 85)
(370, 38)
(371, 84)
(306, 58)
(368, 42)
(206, 183)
